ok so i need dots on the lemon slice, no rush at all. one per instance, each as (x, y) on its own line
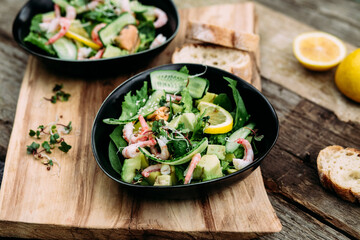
(83, 40)
(318, 51)
(220, 120)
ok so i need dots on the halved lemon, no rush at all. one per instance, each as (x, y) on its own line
(220, 120)
(318, 51)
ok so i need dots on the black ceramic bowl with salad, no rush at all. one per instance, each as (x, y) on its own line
(95, 37)
(179, 130)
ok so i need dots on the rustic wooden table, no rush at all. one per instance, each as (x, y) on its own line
(308, 123)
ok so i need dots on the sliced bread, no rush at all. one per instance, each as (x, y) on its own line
(339, 171)
(234, 61)
(222, 36)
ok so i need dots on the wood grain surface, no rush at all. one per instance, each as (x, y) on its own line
(83, 197)
(292, 198)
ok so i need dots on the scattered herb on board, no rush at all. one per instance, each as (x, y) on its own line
(59, 94)
(54, 139)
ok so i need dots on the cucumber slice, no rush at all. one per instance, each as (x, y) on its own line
(108, 33)
(243, 132)
(112, 51)
(173, 81)
(180, 160)
(65, 49)
(151, 105)
(137, 7)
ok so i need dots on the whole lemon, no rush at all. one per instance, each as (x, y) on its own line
(347, 76)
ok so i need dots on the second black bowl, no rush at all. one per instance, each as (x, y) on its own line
(261, 111)
(93, 68)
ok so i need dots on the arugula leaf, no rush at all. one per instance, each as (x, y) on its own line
(218, 139)
(241, 115)
(187, 101)
(179, 172)
(177, 148)
(224, 165)
(53, 138)
(132, 103)
(223, 101)
(199, 127)
(239, 153)
(31, 149)
(114, 158)
(184, 69)
(64, 147)
(156, 127)
(162, 101)
(46, 146)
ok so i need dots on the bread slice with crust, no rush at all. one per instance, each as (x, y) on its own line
(232, 60)
(339, 171)
(222, 36)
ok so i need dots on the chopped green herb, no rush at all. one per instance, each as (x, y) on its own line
(64, 147)
(46, 146)
(60, 95)
(32, 149)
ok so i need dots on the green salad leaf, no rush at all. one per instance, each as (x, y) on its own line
(39, 41)
(114, 158)
(117, 137)
(146, 34)
(241, 115)
(132, 103)
(223, 101)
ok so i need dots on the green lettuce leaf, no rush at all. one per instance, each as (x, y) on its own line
(39, 41)
(147, 35)
(187, 100)
(132, 103)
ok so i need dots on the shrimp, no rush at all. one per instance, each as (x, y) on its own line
(170, 97)
(153, 168)
(160, 39)
(161, 18)
(83, 53)
(130, 137)
(194, 161)
(125, 6)
(65, 25)
(248, 156)
(144, 125)
(95, 33)
(160, 113)
(57, 11)
(70, 12)
(98, 55)
(132, 150)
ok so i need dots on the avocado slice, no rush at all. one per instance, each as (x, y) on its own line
(218, 150)
(211, 167)
(129, 168)
(188, 119)
(152, 177)
(163, 180)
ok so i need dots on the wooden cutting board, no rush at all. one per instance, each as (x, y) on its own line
(82, 202)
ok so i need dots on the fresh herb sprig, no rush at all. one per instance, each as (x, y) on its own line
(59, 94)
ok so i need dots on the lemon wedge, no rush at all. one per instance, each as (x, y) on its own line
(318, 51)
(347, 76)
(83, 40)
(220, 120)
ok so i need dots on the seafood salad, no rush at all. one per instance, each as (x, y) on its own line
(94, 29)
(173, 131)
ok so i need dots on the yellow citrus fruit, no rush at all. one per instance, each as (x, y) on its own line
(347, 76)
(83, 40)
(318, 51)
(220, 120)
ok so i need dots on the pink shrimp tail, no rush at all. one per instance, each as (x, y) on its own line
(194, 161)
(153, 168)
(95, 33)
(249, 153)
(144, 125)
(70, 12)
(65, 25)
(98, 55)
(57, 11)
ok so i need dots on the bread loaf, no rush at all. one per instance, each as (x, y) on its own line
(222, 36)
(339, 171)
(234, 61)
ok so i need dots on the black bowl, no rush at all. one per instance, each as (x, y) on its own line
(261, 111)
(100, 67)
